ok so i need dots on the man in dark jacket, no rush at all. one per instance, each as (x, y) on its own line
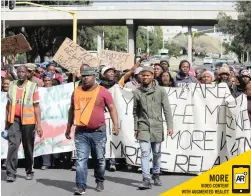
(183, 75)
(244, 79)
(149, 101)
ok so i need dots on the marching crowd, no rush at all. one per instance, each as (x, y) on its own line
(90, 100)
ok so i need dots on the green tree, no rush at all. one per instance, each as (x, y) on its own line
(240, 28)
(141, 39)
(115, 38)
(42, 39)
(47, 39)
(87, 37)
(155, 39)
(173, 48)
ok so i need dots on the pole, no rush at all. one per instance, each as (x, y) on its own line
(4, 25)
(189, 45)
(75, 27)
(103, 38)
(148, 49)
(221, 48)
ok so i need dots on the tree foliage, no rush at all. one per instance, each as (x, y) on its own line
(115, 38)
(174, 49)
(240, 28)
(155, 39)
(42, 39)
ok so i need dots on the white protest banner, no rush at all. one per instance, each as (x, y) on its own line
(14, 45)
(71, 56)
(210, 127)
(118, 60)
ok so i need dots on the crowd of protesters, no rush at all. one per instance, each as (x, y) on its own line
(149, 78)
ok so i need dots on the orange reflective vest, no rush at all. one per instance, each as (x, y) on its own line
(84, 103)
(27, 113)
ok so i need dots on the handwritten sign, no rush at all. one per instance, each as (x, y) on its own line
(14, 45)
(71, 56)
(119, 60)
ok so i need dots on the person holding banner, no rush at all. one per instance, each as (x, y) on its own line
(149, 101)
(22, 118)
(52, 68)
(47, 79)
(108, 81)
(31, 74)
(184, 76)
(87, 113)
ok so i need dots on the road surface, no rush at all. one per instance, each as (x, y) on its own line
(62, 182)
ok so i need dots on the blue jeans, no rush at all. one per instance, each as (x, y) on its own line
(87, 141)
(47, 159)
(146, 148)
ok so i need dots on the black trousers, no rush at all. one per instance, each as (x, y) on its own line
(17, 133)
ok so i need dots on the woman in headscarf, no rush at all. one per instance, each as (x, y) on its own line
(207, 77)
(47, 79)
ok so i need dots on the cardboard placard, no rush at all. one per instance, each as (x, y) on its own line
(71, 56)
(118, 60)
(14, 45)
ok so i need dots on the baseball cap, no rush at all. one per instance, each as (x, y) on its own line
(149, 69)
(30, 66)
(138, 70)
(105, 69)
(88, 71)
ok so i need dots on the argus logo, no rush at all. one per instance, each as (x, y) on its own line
(240, 179)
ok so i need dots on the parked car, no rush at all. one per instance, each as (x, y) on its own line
(207, 60)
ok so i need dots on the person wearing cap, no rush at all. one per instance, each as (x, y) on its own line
(52, 68)
(39, 72)
(164, 62)
(149, 101)
(87, 114)
(183, 75)
(22, 118)
(136, 80)
(207, 77)
(31, 74)
(223, 74)
(108, 75)
(244, 80)
(47, 79)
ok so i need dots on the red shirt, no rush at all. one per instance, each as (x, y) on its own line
(58, 77)
(18, 107)
(97, 118)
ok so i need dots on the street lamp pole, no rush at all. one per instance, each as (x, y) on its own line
(147, 35)
(74, 15)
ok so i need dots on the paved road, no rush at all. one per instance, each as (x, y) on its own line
(61, 182)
